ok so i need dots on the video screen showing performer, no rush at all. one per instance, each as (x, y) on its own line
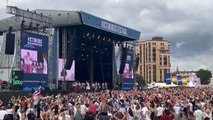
(128, 71)
(69, 75)
(33, 62)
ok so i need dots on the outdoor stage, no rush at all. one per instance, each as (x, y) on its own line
(78, 47)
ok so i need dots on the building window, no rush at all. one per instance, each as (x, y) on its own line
(165, 60)
(149, 45)
(153, 43)
(161, 75)
(161, 44)
(154, 49)
(160, 60)
(154, 73)
(154, 59)
(165, 72)
(168, 71)
(140, 69)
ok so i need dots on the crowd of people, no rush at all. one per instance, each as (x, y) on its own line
(85, 86)
(152, 104)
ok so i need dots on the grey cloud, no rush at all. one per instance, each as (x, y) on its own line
(176, 20)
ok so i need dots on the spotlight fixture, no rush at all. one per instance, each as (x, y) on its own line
(98, 37)
(87, 34)
(93, 35)
(37, 26)
(31, 25)
(22, 23)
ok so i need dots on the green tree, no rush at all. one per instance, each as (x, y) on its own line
(140, 80)
(204, 75)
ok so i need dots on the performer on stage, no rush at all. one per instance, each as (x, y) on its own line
(28, 62)
(87, 86)
(44, 63)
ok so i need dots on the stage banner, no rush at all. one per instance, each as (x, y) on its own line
(128, 74)
(17, 80)
(34, 60)
(179, 78)
(168, 79)
(99, 23)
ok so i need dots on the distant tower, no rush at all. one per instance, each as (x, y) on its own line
(177, 69)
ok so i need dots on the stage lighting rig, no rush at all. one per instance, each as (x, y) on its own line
(42, 22)
(28, 14)
(31, 25)
(22, 24)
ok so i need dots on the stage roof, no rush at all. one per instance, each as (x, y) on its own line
(63, 18)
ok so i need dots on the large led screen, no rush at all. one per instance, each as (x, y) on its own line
(128, 74)
(33, 62)
(128, 71)
(68, 75)
(34, 59)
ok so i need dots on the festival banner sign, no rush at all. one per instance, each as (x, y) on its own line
(17, 80)
(168, 79)
(179, 78)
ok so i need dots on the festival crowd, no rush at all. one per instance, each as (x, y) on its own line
(152, 104)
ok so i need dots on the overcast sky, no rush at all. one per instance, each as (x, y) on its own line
(187, 24)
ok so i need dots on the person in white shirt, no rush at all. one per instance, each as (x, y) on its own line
(64, 116)
(44, 64)
(2, 114)
(190, 105)
(207, 114)
(177, 111)
(87, 86)
(198, 114)
(136, 108)
(160, 110)
(83, 108)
